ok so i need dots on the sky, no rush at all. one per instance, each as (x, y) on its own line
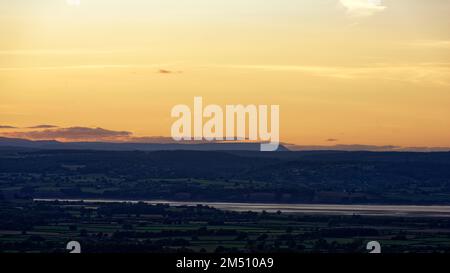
(343, 71)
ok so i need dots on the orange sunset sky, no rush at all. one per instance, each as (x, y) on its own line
(343, 71)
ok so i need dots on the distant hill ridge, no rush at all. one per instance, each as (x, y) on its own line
(125, 146)
(18, 143)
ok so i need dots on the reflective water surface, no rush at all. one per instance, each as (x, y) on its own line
(381, 210)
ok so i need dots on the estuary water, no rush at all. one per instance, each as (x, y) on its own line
(325, 209)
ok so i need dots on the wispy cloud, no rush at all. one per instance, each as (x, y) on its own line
(86, 134)
(431, 44)
(43, 126)
(78, 67)
(90, 67)
(362, 8)
(166, 71)
(434, 73)
(29, 52)
(7, 127)
(72, 134)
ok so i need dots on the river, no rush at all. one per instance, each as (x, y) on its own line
(372, 210)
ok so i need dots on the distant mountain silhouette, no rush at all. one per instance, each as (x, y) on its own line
(108, 146)
(361, 147)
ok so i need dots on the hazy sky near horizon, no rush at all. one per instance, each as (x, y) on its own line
(352, 71)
